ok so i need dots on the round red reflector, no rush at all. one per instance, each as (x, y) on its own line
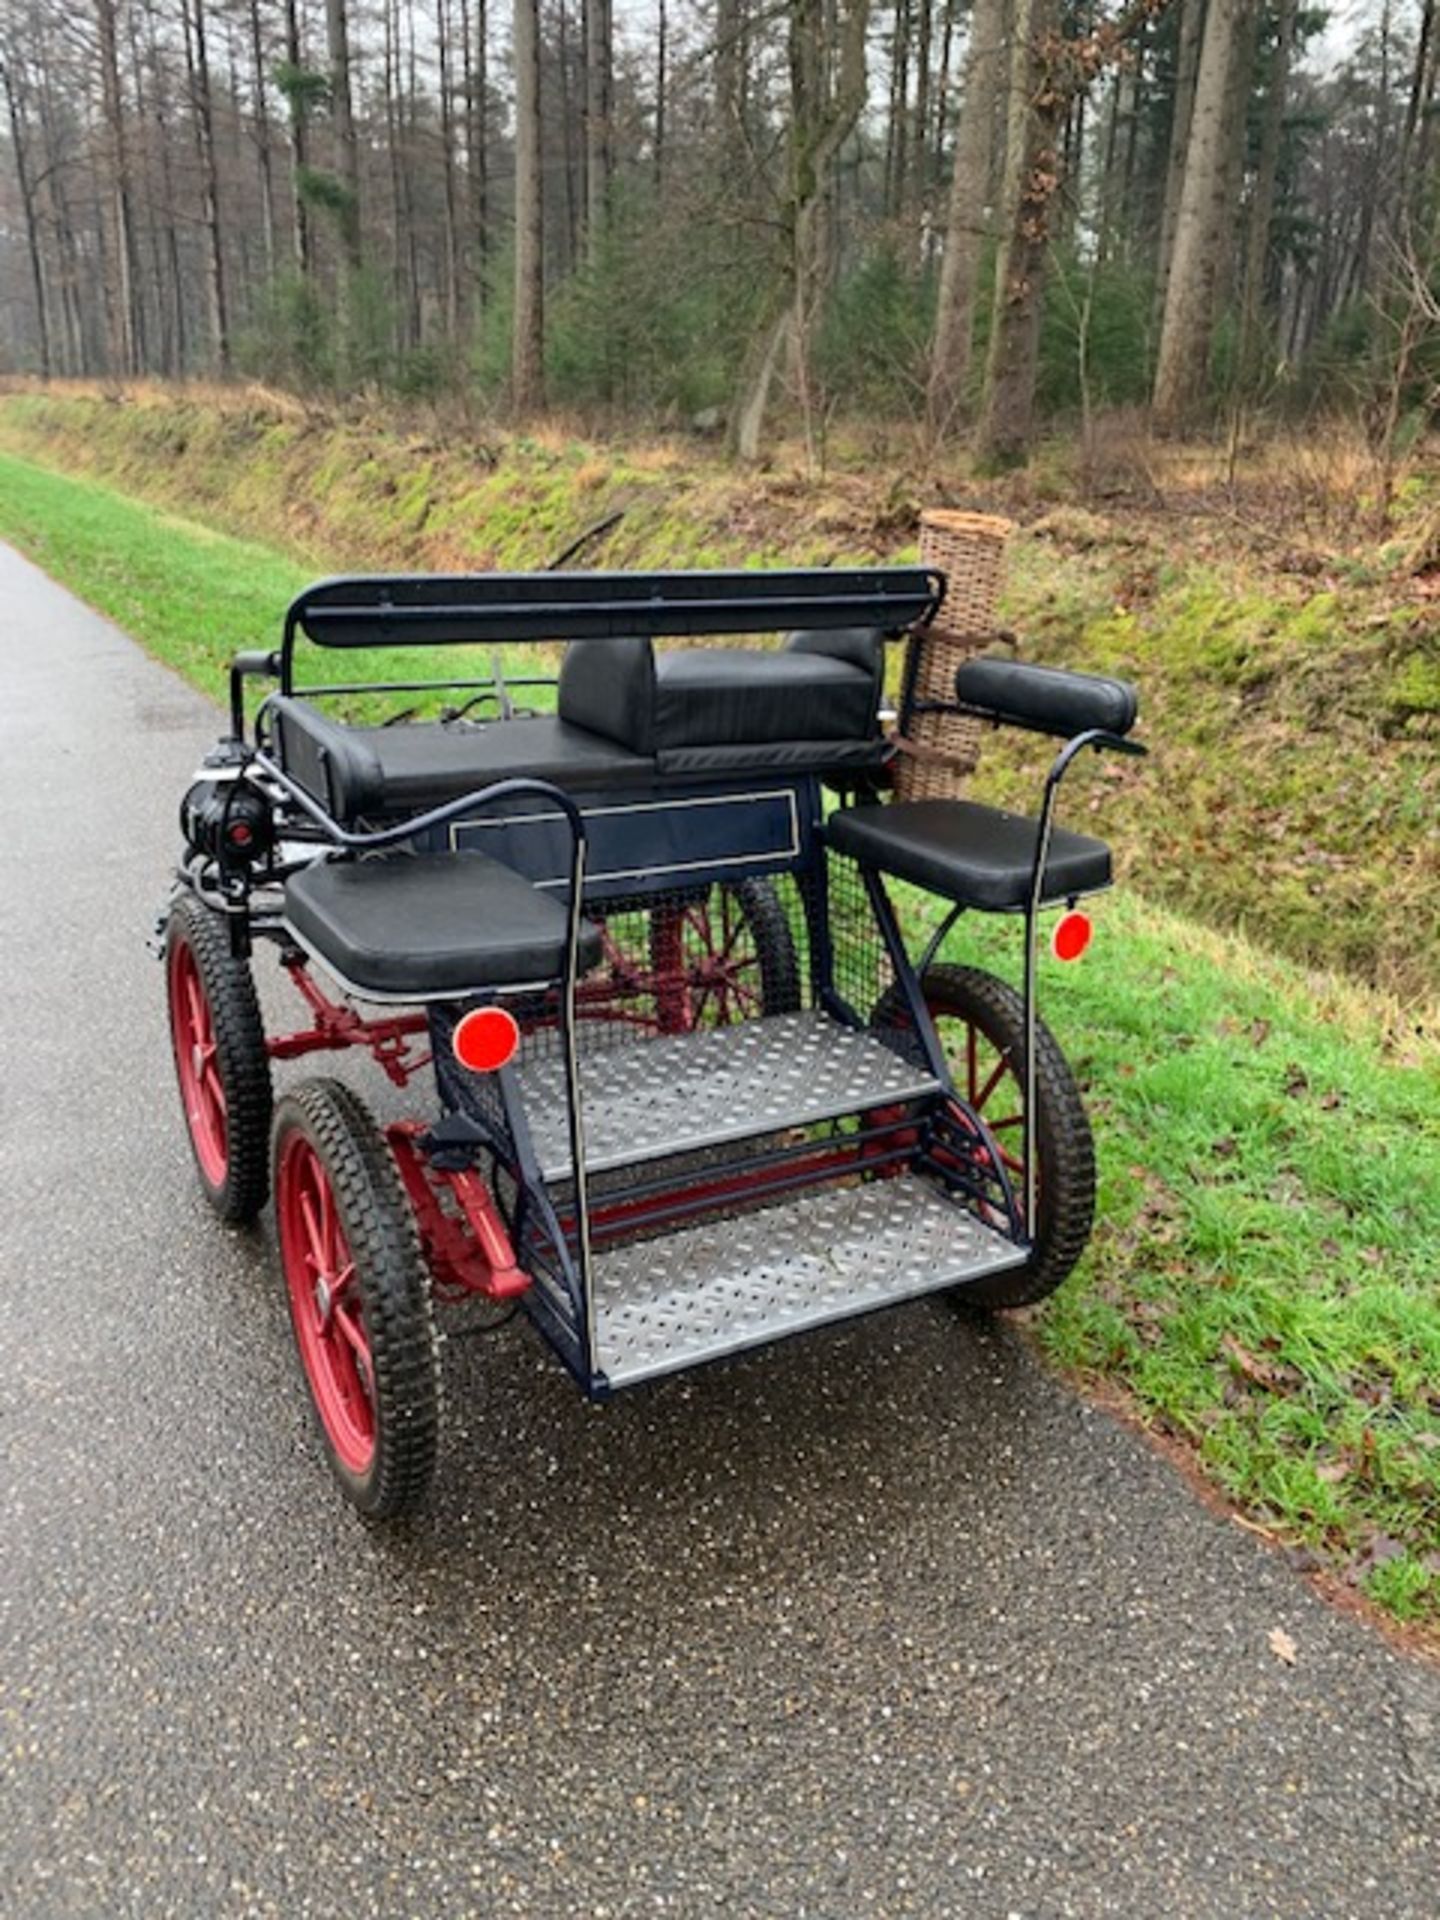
(486, 1038)
(1071, 936)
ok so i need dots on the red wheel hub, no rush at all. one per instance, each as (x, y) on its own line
(325, 1302)
(707, 965)
(192, 1031)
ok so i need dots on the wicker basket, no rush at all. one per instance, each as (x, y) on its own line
(938, 750)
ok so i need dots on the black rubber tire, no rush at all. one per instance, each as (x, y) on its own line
(1065, 1147)
(763, 912)
(394, 1289)
(243, 1063)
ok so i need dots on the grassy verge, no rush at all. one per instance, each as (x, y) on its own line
(1265, 1276)
(191, 596)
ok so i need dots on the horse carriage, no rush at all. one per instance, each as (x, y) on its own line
(694, 1087)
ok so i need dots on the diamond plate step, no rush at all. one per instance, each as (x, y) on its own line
(646, 1100)
(718, 1288)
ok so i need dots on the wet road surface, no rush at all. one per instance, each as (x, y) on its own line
(882, 1621)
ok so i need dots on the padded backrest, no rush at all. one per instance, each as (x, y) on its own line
(609, 687)
(1045, 699)
(862, 647)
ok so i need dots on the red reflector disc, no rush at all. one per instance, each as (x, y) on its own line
(1071, 936)
(486, 1038)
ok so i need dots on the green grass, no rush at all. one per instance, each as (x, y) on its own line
(193, 597)
(1265, 1275)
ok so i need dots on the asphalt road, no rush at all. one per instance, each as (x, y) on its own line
(882, 1621)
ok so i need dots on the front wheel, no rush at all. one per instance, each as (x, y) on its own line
(981, 1024)
(359, 1298)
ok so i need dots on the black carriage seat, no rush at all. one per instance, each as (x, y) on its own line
(981, 856)
(978, 856)
(625, 715)
(417, 926)
(367, 773)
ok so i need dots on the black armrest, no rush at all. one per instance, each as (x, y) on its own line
(1045, 699)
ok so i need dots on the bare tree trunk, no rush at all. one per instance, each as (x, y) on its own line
(918, 175)
(527, 368)
(209, 188)
(730, 92)
(1039, 102)
(475, 65)
(337, 27)
(447, 151)
(122, 244)
(20, 146)
(1262, 205)
(412, 312)
(149, 316)
(599, 111)
(73, 359)
(1195, 264)
(398, 201)
(1191, 28)
(897, 121)
(662, 36)
(574, 169)
(1420, 110)
(965, 229)
(299, 140)
(176, 328)
(264, 154)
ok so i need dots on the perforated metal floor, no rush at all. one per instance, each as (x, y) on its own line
(668, 1095)
(717, 1288)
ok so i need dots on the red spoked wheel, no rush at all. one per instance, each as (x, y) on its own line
(722, 955)
(981, 1025)
(359, 1298)
(221, 1064)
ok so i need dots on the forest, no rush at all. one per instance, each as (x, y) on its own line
(970, 218)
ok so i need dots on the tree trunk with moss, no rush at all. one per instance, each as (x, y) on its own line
(827, 97)
(966, 226)
(1185, 332)
(1033, 167)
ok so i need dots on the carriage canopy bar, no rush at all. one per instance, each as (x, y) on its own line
(433, 609)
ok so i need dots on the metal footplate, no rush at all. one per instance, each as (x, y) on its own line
(690, 1090)
(727, 1284)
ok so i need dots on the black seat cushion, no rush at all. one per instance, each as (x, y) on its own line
(736, 696)
(976, 855)
(435, 923)
(371, 772)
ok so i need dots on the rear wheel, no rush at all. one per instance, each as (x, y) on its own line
(723, 955)
(359, 1298)
(221, 1064)
(981, 1024)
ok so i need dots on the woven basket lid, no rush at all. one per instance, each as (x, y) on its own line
(958, 521)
